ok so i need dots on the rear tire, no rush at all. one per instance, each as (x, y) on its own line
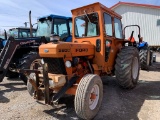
(88, 96)
(127, 67)
(28, 63)
(145, 58)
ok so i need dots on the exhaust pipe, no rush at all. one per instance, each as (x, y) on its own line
(30, 22)
(5, 34)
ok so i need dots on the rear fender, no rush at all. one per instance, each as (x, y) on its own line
(143, 44)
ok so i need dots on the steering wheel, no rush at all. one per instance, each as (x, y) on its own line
(64, 39)
(64, 36)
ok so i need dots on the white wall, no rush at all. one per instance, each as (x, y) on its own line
(146, 18)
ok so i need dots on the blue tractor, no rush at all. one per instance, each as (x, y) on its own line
(22, 52)
(19, 32)
(48, 27)
(55, 25)
(145, 53)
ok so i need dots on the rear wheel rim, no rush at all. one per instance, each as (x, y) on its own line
(94, 97)
(32, 67)
(135, 68)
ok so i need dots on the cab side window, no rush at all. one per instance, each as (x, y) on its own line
(118, 28)
(108, 24)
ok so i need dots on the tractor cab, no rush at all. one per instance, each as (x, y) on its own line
(54, 25)
(21, 32)
(17, 33)
(101, 27)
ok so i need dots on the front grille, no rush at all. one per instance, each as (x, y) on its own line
(55, 65)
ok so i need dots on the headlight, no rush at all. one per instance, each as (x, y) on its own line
(68, 64)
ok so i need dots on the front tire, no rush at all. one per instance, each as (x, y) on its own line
(29, 61)
(127, 67)
(88, 96)
(11, 74)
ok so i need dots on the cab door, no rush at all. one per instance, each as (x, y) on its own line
(112, 41)
(108, 40)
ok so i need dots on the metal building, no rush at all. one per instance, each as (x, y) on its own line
(146, 16)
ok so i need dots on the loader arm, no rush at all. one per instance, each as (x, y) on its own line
(9, 50)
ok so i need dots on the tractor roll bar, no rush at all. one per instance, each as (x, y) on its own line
(139, 35)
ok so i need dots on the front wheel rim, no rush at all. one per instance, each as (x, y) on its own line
(94, 97)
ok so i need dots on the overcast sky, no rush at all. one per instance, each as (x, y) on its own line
(15, 12)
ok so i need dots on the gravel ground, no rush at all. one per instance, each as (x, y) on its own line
(143, 102)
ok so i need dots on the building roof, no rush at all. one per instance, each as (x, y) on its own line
(135, 4)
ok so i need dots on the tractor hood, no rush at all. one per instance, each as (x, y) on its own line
(66, 49)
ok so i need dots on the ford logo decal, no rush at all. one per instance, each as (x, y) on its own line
(46, 50)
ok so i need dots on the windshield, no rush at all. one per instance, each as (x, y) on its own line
(44, 28)
(22, 33)
(13, 33)
(61, 28)
(87, 25)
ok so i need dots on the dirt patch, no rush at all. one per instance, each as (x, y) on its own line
(140, 103)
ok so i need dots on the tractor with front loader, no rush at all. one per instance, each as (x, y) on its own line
(20, 51)
(75, 68)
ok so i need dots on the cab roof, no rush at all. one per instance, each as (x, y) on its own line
(55, 16)
(26, 28)
(92, 7)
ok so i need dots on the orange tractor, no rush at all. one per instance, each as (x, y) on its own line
(98, 48)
